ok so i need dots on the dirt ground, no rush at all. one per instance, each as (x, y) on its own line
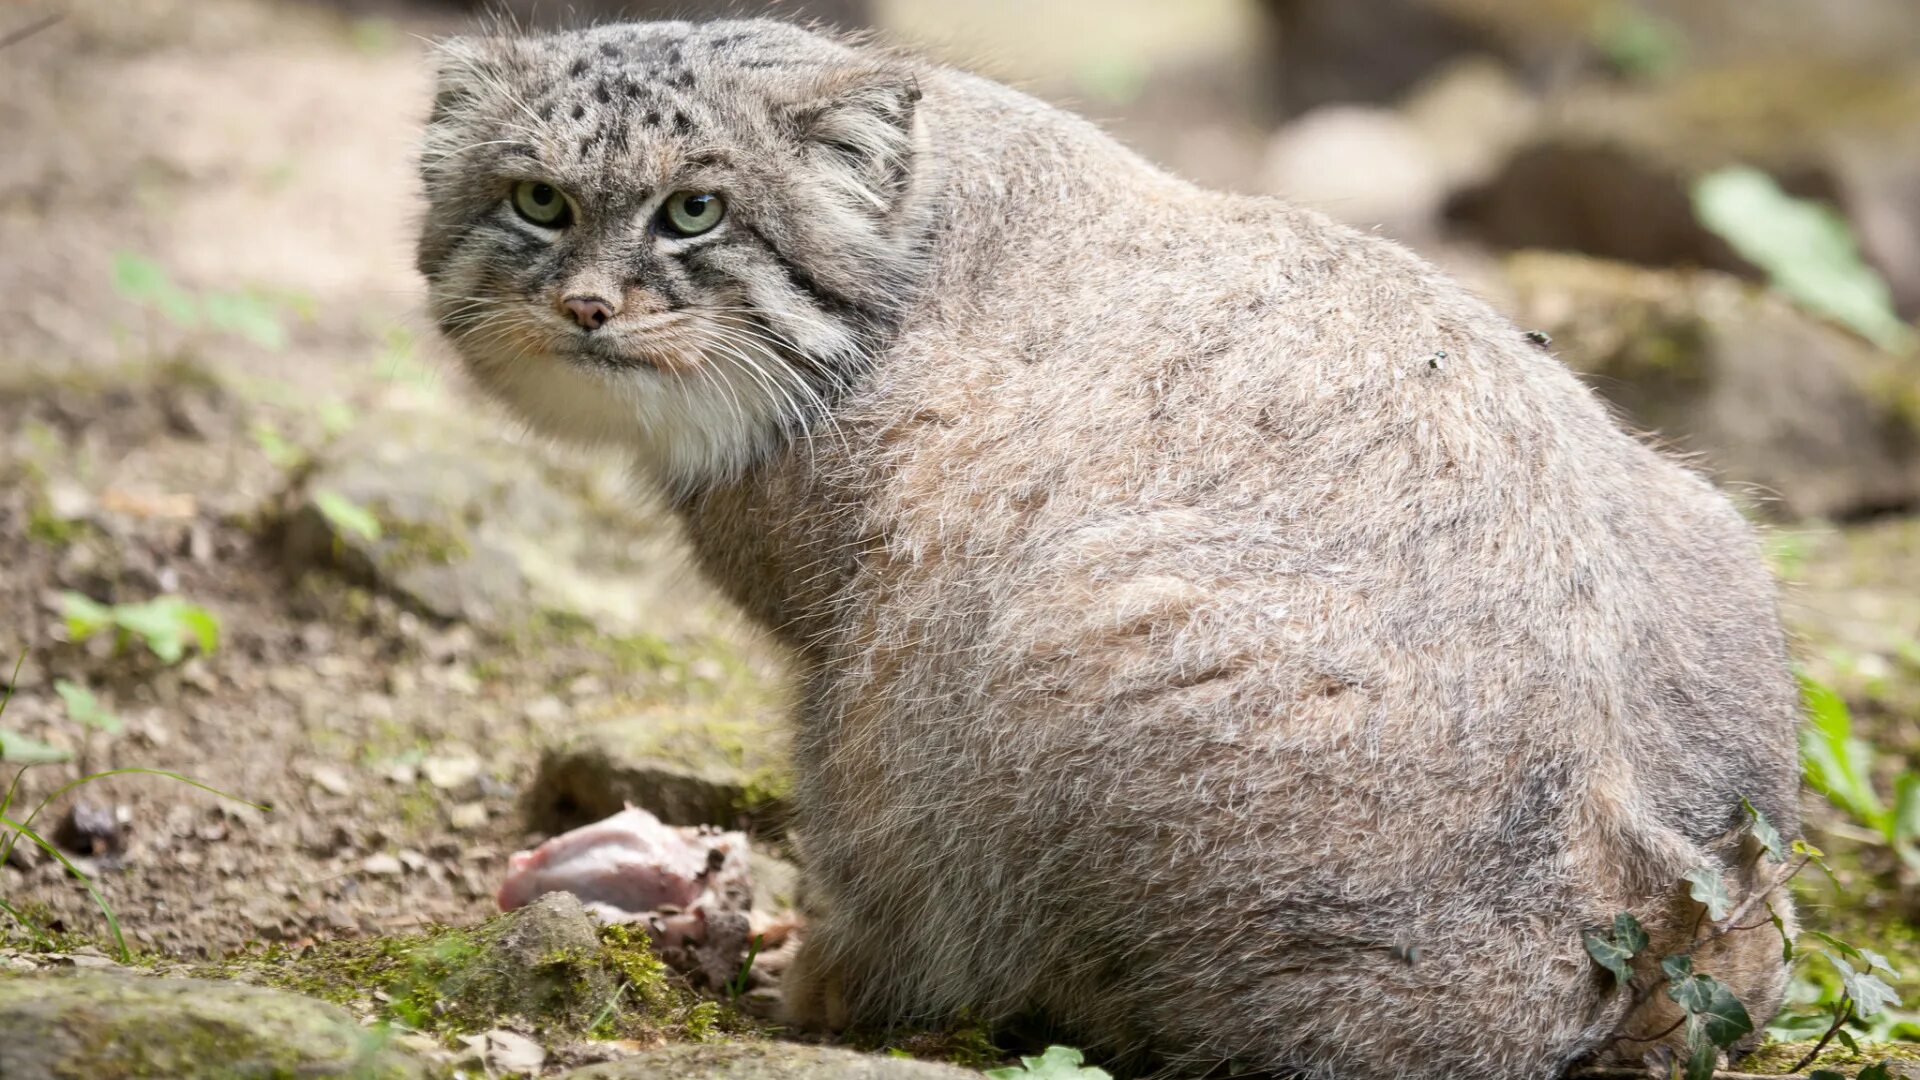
(208, 313)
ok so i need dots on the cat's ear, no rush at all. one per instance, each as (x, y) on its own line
(459, 77)
(859, 125)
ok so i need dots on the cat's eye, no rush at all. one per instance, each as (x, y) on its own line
(690, 213)
(542, 204)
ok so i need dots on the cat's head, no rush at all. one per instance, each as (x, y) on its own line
(681, 238)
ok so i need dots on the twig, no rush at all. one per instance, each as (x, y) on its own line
(1841, 1016)
(14, 37)
(1670, 1029)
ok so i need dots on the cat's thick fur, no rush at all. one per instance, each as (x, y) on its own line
(1223, 638)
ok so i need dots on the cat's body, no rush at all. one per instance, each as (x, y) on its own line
(1223, 638)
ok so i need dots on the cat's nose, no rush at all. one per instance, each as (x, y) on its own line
(590, 312)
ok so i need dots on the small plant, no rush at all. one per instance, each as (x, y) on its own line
(1713, 1017)
(13, 830)
(167, 625)
(1806, 249)
(347, 517)
(736, 987)
(1057, 1063)
(252, 315)
(1839, 765)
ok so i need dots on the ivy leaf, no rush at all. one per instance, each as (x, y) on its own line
(1721, 1017)
(1845, 1038)
(1816, 857)
(1702, 1056)
(1786, 939)
(1677, 968)
(1616, 951)
(1826, 1074)
(1879, 1070)
(1869, 992)
(1705, 885)
(1764, 832)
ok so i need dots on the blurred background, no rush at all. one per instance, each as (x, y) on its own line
(255, 529)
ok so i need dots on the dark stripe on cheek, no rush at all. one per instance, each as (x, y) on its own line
(841, 307)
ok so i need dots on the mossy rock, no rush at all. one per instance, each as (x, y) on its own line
(544, 968)
(457, 521)
(1809, 419)
(108, 1027)
(687, 767)
(766, 1061)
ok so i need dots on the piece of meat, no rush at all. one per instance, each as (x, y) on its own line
(690, 887)
(627, 865)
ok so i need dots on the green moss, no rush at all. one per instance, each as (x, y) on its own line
(966, 1043)
(454, 981)
(411, 543)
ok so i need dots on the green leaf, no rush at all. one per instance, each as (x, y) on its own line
(1722, 1019)
(247, 316)
(1906, 808)
(1763, 831)
(1786, 939)
(281, 453)
(346, 516)
(1826, 1074)
(84, 615)
(1702, 1056)
(1058, 1063)
(146, 283)
(1838, 765)
(84, 708)
(1845, 1038)
(20, 750)
(1879, 1070)
(1806, 249)
(1869, 992)
(1616, 951)
(1843, 948)
(167, 625)
(1706, 886)
(1677, 968)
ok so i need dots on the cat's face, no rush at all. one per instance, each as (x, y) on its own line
(684, 239)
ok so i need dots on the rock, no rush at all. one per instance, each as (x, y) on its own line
(458, 522)
(1611, 172)
(381, 865)
(1812, 419)
(1375, 50)
(502, 1051)
(765, 1061)
(106, 1027)
(684, 767)
(544, 954)
(1364, 165)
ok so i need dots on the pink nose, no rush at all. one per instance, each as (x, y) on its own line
(590, 312)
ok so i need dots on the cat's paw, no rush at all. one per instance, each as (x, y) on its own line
(813, 992)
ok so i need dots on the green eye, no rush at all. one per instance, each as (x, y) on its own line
(690, 213)
(542, 204)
